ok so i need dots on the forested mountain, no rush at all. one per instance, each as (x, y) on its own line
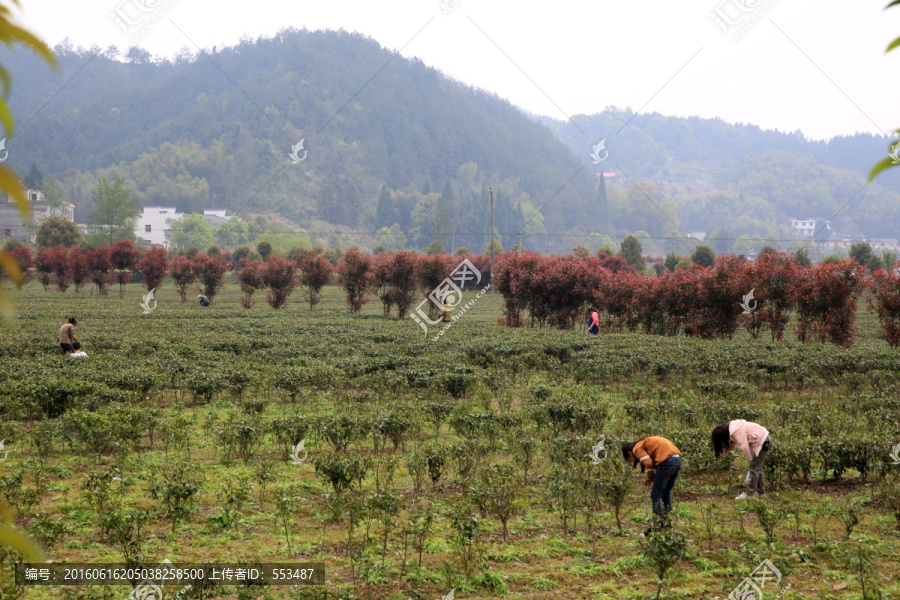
(200, 132)
(732, 180)
(396, 146)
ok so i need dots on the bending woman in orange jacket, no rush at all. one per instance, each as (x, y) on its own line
(662, 461)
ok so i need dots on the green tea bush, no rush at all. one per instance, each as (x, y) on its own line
(496, 493)
(663, 549)
(102, 493)
(175, 488)
(232, 493)
(240, 436)
(289, 431)
(889, 492)
(205, 384)
(341, 472)
(394, 425)
(341, 430)
(458, 384)
(313, 376)
(41, 397)
(474, 425)
(110, 429)
(561, 415)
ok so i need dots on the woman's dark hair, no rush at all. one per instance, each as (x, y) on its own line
(73, 321)
(628, 448)
(721, 439)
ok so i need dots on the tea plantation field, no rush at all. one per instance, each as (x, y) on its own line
(435, 465)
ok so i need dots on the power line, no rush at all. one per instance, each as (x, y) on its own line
(569, 235)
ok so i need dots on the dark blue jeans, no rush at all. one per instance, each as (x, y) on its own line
(663, 482)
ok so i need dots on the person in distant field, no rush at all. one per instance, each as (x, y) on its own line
(662, 461)
(593, 320)
(204, 301)
(754, 441)
(67, 340)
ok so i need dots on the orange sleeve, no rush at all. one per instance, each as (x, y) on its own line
(641, 453)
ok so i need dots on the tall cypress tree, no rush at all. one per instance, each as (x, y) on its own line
(385, 215)
(35, 179)
(447, 206)
(447, 198)
(598, 210)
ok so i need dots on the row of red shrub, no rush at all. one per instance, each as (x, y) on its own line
(698, 301)
(394, 277)
(550, 290)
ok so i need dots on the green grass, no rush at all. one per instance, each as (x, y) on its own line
(186, 386)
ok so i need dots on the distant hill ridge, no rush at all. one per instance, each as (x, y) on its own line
(413, 147)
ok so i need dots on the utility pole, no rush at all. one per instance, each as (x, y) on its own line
(492, 238)
(519, 245)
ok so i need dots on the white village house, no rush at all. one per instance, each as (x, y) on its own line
(155, 223)
(806, 227)
(13, 226)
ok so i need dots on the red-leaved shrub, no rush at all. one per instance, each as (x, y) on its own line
(886, 293)
(182, 271)
(355, 271)
(280, 276)
(25, 260)
(210, 271)
(153, 266)
(250, 279)
(100, 266)
(123, 256)
(78, 266)
(316, 274)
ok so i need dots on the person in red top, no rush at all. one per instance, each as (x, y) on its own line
(593, 320)
(662, 461)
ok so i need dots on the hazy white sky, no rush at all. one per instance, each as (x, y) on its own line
(816, 66)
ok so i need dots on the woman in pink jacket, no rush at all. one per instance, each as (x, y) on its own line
(754, 442)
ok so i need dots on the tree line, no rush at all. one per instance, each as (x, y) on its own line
(395, 278)
(708, 296)
(697, 300)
